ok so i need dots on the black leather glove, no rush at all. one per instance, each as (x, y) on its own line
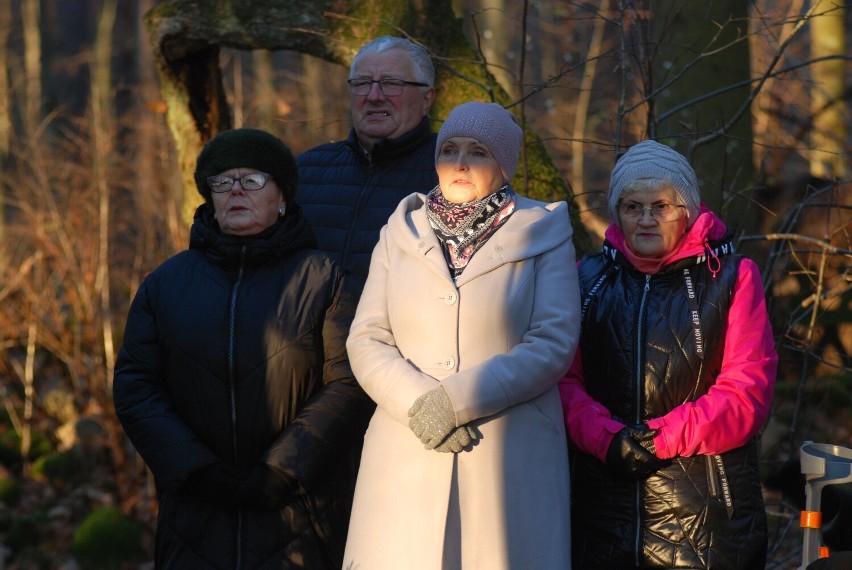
(266, 489)
(631, 453)
(216, 484)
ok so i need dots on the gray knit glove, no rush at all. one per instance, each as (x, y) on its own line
(432, 417)
(458, 439)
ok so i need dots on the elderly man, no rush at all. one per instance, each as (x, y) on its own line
(348, 189)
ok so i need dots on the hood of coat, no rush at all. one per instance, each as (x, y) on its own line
(288, 234)
(708, 233)
(532, 229)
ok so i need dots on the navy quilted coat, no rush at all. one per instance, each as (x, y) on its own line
(347, 194)
(235, 351)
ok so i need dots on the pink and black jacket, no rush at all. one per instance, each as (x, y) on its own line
(689, 351)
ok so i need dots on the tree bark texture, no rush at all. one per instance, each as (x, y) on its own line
(830, 113)
(186, 36)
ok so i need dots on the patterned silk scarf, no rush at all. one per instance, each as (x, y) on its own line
(463, 228)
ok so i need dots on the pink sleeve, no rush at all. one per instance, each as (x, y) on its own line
(737, 405)
(590, 425)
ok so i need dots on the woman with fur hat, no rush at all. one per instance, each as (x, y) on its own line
(672, 380)
(233, 382)
(468, 319)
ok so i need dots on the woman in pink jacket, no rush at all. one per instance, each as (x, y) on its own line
(671, 382)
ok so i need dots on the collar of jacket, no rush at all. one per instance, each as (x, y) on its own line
(532, 229)
(389, 149)
(708, 237)
(286, 235)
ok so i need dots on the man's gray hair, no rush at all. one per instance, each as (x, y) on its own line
(424, 71)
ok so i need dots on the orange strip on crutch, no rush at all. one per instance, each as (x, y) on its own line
(810, 519)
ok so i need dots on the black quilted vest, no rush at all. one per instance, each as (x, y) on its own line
(650, 343)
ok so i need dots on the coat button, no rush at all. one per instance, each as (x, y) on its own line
(451, 297)
(421, 244)
(449, 363)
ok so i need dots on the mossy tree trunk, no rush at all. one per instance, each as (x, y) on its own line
(187, 34)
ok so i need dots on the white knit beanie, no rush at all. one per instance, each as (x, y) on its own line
(492, 125)
(650, 159)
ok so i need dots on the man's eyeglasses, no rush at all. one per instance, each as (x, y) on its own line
(249, 182)
(388, 87)
(661, 211)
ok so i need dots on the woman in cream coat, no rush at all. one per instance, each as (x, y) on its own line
(469, 318)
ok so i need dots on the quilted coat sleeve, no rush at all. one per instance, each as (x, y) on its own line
(167, 444)
(589, 424)
(390, 380)
(331, 425)
(737, 405)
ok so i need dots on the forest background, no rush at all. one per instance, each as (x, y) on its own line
(104, 105)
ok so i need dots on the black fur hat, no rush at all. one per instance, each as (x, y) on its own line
(248, 148)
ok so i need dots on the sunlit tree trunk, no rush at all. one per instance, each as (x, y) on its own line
(30, 15)
(5, 109)
(31, 22)
(313, 82)
(493, 33)
(152, 158)
(767, 36)
(264, 109)
(29, 390)
(102, 146)
(5, 88)
(828, 157)
(595, 223)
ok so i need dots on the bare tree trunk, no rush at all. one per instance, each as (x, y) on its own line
(103, 145)
(828, 157)
(593, 222)
(153, 156)
(764, 42)
(492, 31)
(312, 83)
(238, 104)
(5, 88)
(5, 109)
(31, 22)
(264, 111)
(29, 391)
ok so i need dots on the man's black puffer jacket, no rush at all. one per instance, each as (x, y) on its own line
(640, 360)
(348, 196)
(234, 351)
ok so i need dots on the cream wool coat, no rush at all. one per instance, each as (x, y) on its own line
(499, 341)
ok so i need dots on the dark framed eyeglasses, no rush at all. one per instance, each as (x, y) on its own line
(661, 211)
(388, 87)
(249, 182)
